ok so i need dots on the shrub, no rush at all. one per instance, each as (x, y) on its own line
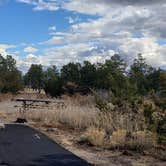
(161, 130)
(101, 104)
(159, 153)
(118, 138)
(142, 140)
(148, 111)
(93, 136)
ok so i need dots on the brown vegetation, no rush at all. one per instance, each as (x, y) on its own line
(78, 123)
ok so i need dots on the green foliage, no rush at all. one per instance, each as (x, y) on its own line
(71, 73)
(101, 104)
(161, 130)
(139, 73)
(34, 77)
(162, 84)
(52, 82)
(88, 74)
(154, 80)
(155, 120)
(10, 80)
(148, 112)
(111, 76)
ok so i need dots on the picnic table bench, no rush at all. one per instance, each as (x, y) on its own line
(35, 104)
(29, 103)
(33, 100)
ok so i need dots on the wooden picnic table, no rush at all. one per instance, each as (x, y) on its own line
(28, 103)
(24, 100)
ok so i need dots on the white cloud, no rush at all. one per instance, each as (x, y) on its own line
(4, 48)
(40, 5)
(31, 58)
(152, 51)
(73, 20)
(30, 49)
(24, 63)
(86, 6)
(53, 40)
(78, 53)
(52, 28)
(128, 27)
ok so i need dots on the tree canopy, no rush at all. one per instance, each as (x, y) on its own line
(111, 75)
(34, 77)
(10, 76)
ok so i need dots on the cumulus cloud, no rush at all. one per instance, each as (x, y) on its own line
(52, 28)
(25, 62)
(78, 53)
(30, 49)
(152, 51)
(40, 5)
(73, 20)
(53, 40)
(4, 48)
(127, 27)
(132, 2)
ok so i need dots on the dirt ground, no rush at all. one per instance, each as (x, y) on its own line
(68, 138)
(97, 156)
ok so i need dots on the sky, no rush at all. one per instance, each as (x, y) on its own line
(56, 32)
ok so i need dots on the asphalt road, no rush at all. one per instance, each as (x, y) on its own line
(23, 146)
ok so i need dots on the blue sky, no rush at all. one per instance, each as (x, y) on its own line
(22, 24)
(55, 32)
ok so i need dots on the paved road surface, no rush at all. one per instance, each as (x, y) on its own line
(23, 146)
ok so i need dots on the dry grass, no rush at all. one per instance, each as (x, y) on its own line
(3, 115)
(93, 136)
(118, 138)
(111, 130)
(143, 140)
(73, 116)
(4, 97)
(140, 140)
(82, 117)
(79, 112)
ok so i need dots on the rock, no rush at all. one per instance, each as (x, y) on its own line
(2, 126)
(21, 120)
(127, 153)
(37, 136)
(111, 106)
(51, 129)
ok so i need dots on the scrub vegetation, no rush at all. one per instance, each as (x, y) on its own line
(111, 105)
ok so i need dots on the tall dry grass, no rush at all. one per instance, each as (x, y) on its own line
(100, 129)
(79, 112)
(75, 113)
